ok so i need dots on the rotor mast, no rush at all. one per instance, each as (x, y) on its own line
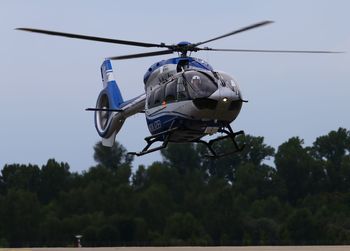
(183, 47)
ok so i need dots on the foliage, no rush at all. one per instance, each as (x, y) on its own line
(186, 199)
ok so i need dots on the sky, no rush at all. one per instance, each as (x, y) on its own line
(47, 82)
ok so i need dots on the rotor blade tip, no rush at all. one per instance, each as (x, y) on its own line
(268, 22)
(23, 29)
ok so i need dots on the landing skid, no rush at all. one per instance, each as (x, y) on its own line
(229, 134)
(164, 136)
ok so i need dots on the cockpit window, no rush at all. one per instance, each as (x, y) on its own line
(183, 86)
(181, 90)
(199, 84)
(229, 81)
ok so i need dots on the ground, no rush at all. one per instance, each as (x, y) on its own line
(259, 248)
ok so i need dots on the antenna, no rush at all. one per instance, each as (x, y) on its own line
(78, 237)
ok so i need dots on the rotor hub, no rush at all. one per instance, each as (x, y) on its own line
(183, 43)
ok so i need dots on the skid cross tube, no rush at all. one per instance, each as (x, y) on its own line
(155, 138)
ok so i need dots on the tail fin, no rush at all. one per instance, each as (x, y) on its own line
(111, 110)
(111, 85)
(108, 124)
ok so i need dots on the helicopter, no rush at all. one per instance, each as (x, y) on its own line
(185, 98)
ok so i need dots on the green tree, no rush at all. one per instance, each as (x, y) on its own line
(108, 235)
(183, 157)
(255, 182)
(345, 173)
(156, 201)
(332, 150)
(254, 152)
(54, 179)
(302, 228)
(139, 178)
(185, 199)
(111, 157)
(184, 229)
(51, 230)
(293, 164)
(333, 146)
(20, 217)
(261, 231)
(25, 177)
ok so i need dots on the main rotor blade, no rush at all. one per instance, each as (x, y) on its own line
(141, 55)
(266, 51)
(98, 39)
(253, 26)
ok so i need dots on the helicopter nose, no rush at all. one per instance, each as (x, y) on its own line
(225, 96)
(228, 104)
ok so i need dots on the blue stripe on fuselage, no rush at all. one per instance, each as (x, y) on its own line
(170, 120)
(162, 123)
(193, 62)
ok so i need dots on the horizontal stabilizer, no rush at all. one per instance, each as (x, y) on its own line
(104, 109)
(108, 110)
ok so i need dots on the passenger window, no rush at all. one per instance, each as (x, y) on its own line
(158, 96)
(151, 100)
(170, 92)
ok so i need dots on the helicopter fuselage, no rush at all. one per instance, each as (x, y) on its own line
(188, 94)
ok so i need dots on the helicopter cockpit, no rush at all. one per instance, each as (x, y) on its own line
(187, 85)
(199, 85)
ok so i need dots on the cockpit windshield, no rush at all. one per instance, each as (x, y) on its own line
(229, 81)
(199, 84)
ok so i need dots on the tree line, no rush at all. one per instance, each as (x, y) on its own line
(300, 196)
